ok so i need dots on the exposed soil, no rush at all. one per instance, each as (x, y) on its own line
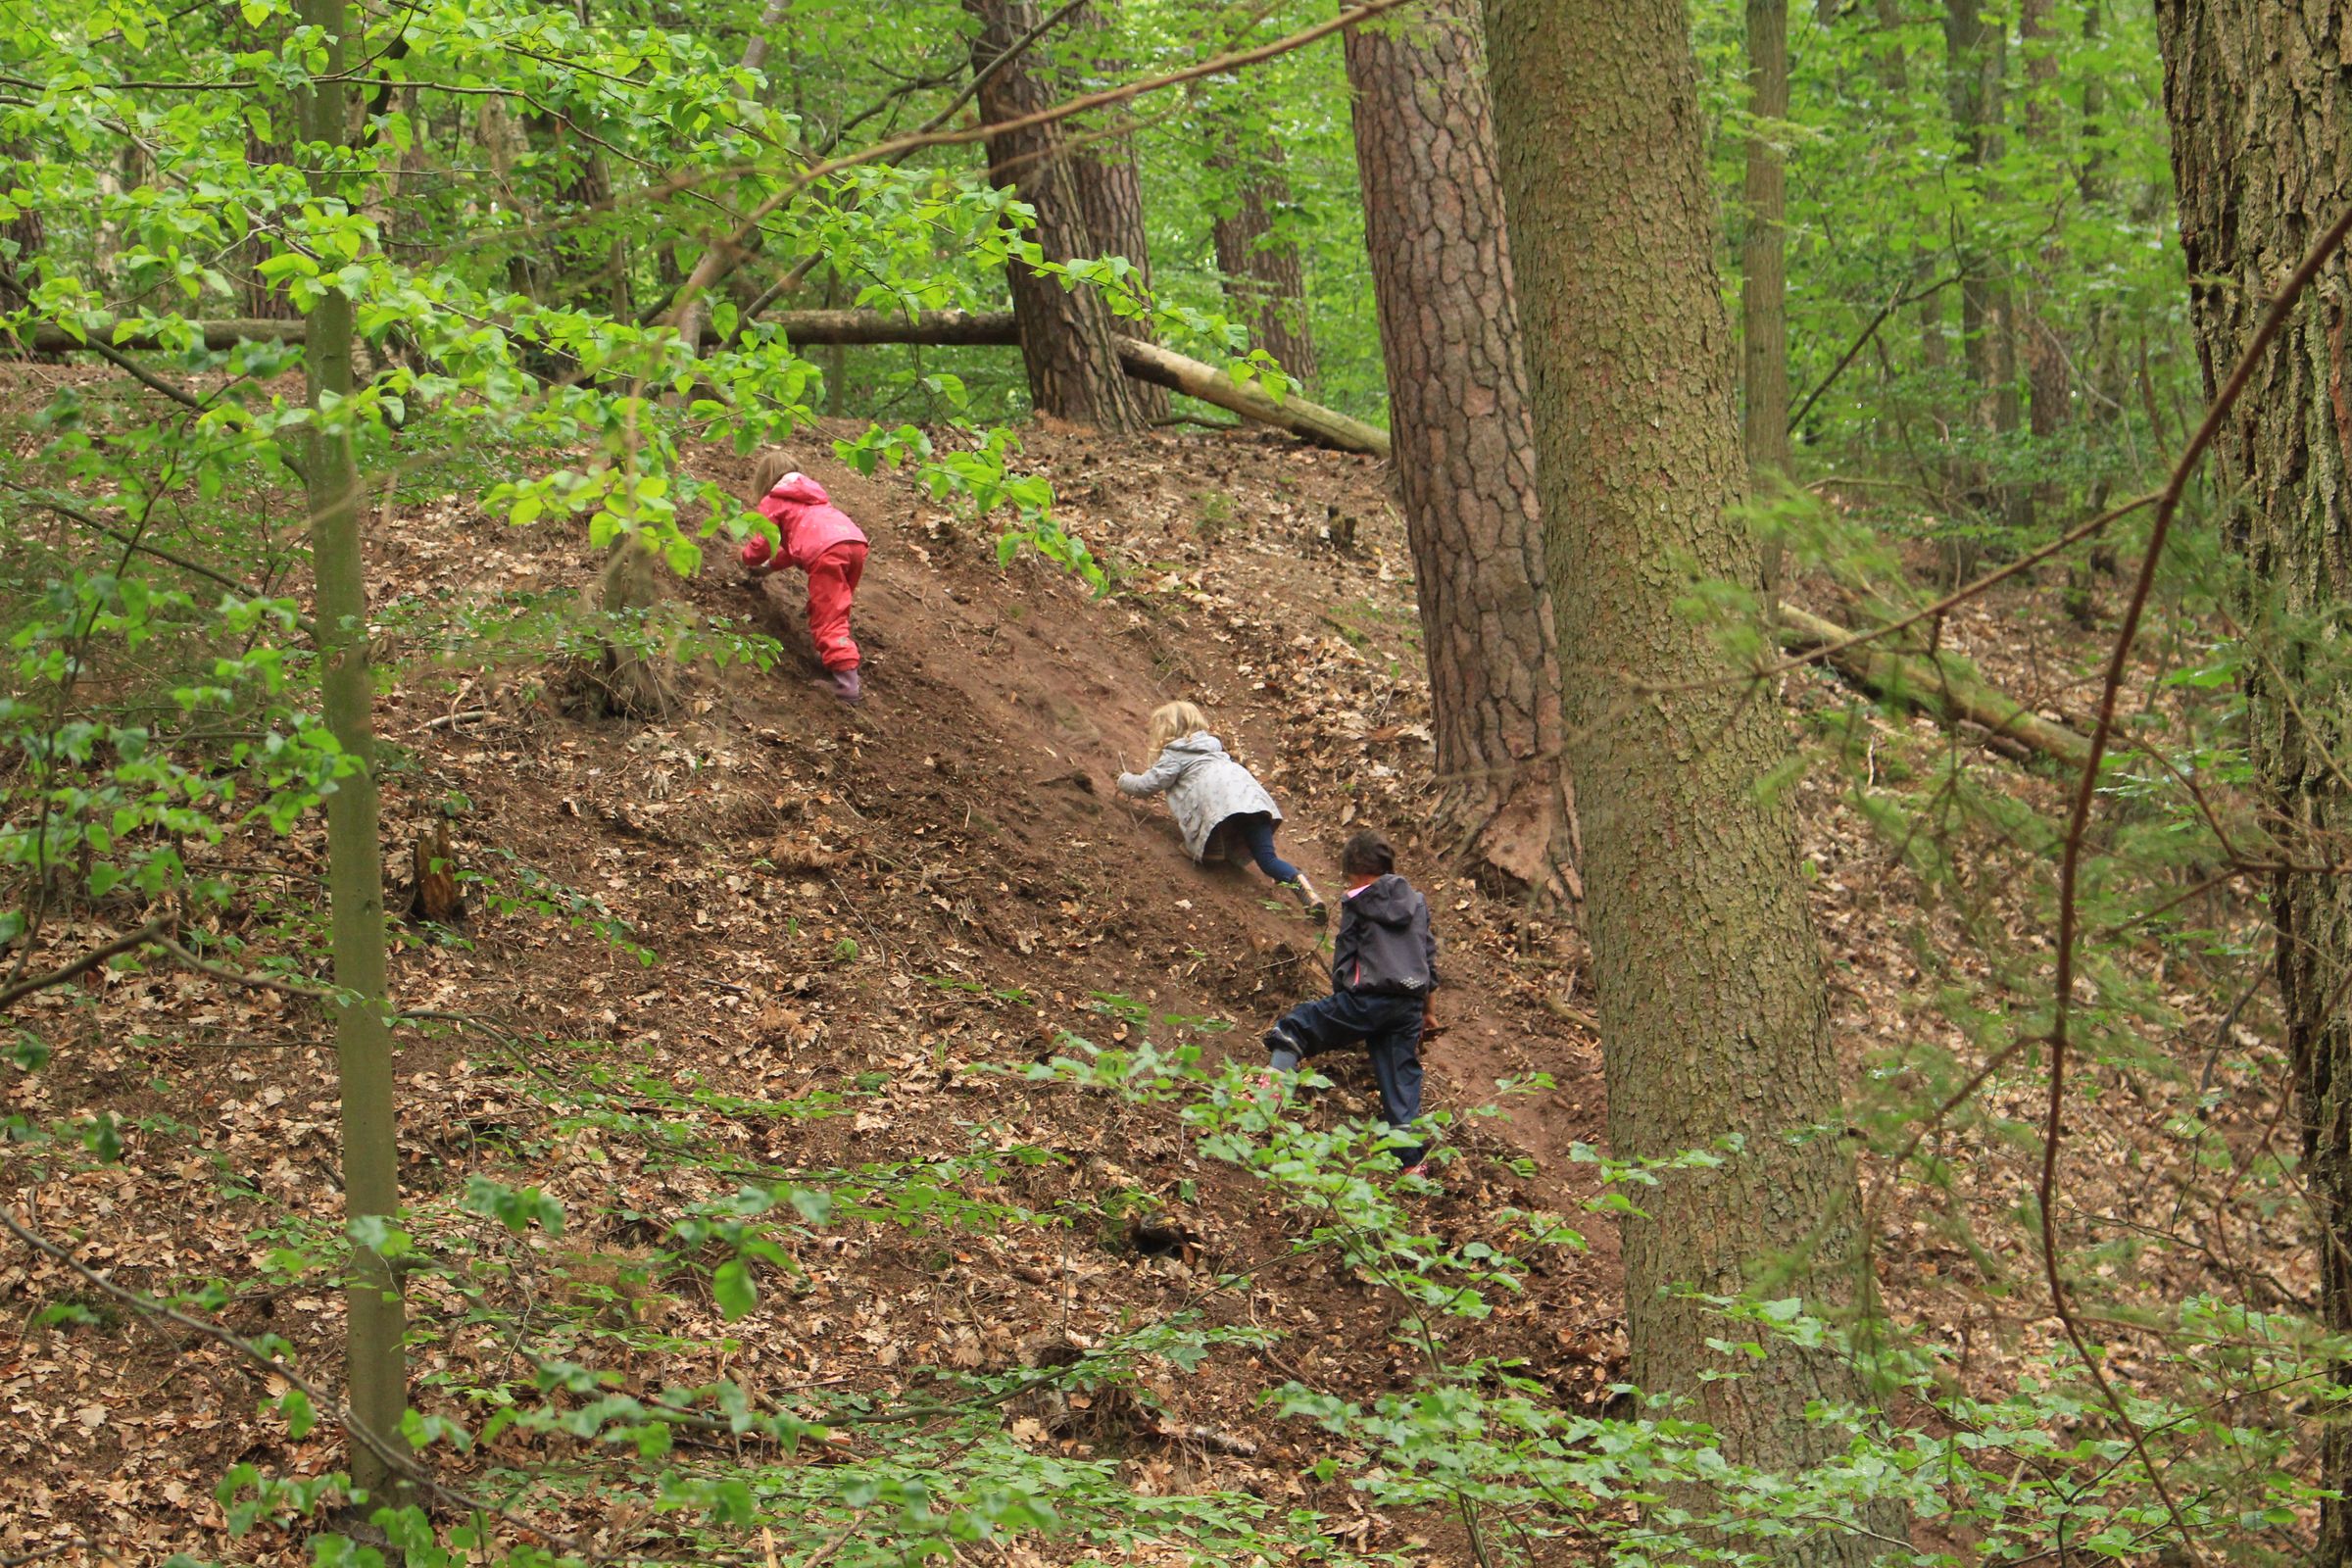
(892, 904)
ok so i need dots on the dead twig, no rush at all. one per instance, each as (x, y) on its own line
(2168, 505)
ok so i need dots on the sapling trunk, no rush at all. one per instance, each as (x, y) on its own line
(374, 1367)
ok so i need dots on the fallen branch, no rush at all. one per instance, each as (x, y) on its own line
(89, 961)
(1145, 361)
(48, 337)
(1933, 684)
(1148, 362)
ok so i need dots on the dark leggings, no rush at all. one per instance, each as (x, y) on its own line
(1256, 829)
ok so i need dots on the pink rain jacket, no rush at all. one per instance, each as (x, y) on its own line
(807, 519)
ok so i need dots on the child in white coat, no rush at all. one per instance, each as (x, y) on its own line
(1215, 799)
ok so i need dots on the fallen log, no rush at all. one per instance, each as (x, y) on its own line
(218, 336)
(1148, 362)
(1934, 685)
(942, 329)
(1145, 361)
(946, 329)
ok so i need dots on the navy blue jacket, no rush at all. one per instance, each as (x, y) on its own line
(1385, 948)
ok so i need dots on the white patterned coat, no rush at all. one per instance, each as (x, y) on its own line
(1203, 787)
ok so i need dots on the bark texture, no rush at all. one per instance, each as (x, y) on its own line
(1763, 253)
(2261, 112)
(1067, 336)
(375, 1362)
(1713, 1016)
(1108, 182)
(1465, 450)
(1265, 287)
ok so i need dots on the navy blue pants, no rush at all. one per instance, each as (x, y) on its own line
(1390, 1028)
(1256, 831)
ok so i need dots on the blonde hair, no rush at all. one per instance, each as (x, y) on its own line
(774, 465)
(1173, 722)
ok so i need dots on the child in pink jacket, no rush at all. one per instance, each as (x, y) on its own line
(819, 538)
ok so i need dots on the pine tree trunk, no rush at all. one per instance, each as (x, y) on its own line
(1464, 450)
(1265, 287)
(2262, 156)
(375, 1366)
(1066, 334)
(1713, 1017)
(1108, 182)
(1763, 268)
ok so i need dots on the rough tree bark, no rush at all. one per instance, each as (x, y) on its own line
(1067, 336)
(1464, 450)
(374, 1364)
(2262, 156)
(1713, 1016)
(1108, 181)
(1764, 267)
(1265, 287)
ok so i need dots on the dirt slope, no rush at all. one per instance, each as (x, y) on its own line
(882, 905)
(855, 922)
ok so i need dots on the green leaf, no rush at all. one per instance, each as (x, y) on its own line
(295, 1406)
(731, 1286)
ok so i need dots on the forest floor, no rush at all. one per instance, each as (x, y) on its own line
(858, 927)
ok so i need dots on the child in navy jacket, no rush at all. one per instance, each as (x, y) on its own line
(1384, 977)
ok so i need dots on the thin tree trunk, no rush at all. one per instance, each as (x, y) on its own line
(1763, 268)
(375, 1369)
(1266, 286)
(1465, 452)
(1976, 66)
(20, 236)
(695, 291)
(1713, 1017)
(2262, 139)
(1932, 308)
(2050, 385)
(255, 296)
(1067, 334)
(1108, 182)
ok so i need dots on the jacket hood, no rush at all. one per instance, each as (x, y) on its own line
(1387, 901)
(1200, 743)
(801, 490)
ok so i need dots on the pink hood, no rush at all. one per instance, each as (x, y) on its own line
(807, 519)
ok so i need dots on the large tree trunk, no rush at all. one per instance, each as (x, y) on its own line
(1067, 334)
(375, 1369)
(1108, 182)
(2262, 155)
(1764, 267)
(1464, 451)
(1265, 285)
(1713, 1018)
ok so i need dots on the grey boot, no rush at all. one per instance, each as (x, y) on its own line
(1309, 899)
